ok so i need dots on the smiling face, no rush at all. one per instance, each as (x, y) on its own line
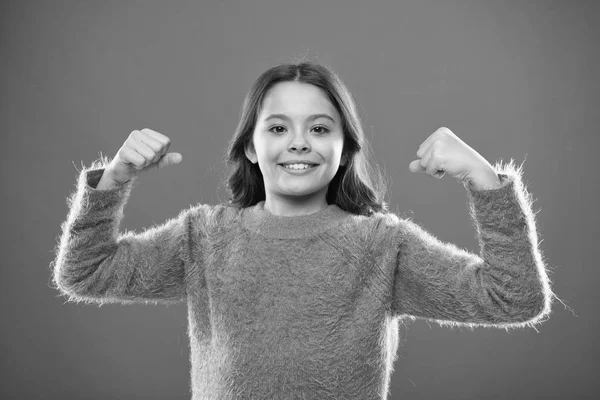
(296, 134)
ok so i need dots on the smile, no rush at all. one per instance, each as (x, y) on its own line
(299, 170)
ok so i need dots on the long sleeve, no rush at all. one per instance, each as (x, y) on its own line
(95, 263)
(505, 285)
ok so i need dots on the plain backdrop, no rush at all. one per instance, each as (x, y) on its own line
(514, 80)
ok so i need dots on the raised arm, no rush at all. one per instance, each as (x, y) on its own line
(95, 263)
(505, 285)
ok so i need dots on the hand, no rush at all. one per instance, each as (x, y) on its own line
(443, 152)
(143, 150)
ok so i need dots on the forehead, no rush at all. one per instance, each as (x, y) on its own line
(297, 99)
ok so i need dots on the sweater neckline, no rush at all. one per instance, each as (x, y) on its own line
(263, 222)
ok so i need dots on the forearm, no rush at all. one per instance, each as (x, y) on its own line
(95, 262)
(504, 284)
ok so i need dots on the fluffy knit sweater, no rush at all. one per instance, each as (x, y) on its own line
(303, 307)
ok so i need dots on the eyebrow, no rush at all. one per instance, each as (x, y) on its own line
(309, 118)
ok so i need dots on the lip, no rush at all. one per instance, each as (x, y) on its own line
(299, 162)
(297, 171)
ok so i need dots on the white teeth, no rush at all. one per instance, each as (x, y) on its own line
(296, 166)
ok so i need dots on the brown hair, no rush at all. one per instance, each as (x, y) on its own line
(358, 187)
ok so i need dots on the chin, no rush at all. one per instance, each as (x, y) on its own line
(298, 193)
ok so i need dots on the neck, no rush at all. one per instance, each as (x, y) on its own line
(294, 206)
(259, 220)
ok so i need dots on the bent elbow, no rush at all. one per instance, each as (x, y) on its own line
(517, 307)
(531, 310)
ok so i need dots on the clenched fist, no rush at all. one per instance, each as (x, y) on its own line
(143, 150)
(443, 152)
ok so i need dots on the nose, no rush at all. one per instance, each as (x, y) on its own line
(303, 149)
(299, 143)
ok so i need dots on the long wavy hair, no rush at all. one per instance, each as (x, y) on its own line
(358, 187)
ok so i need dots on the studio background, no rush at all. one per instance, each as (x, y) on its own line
(512, 79)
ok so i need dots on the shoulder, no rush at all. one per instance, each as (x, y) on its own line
(214, 216)
(377, 225)
(209, 216)
(382, 220)
(395, 229)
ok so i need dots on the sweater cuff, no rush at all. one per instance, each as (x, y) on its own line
(92, 200)
(503, 208)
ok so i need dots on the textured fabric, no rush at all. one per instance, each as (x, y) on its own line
(307, 306)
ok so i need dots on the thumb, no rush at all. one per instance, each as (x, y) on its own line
(415, 166)
(169, 159)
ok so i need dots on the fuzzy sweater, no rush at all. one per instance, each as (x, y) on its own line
(307, 306)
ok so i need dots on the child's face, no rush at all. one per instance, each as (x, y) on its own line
(297, 137)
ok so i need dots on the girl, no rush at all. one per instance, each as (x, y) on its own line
(295, 287)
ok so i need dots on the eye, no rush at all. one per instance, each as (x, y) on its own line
(274, 127)
(323, 129)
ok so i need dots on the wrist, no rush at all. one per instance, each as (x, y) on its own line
(484, 181)
(107, 182)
